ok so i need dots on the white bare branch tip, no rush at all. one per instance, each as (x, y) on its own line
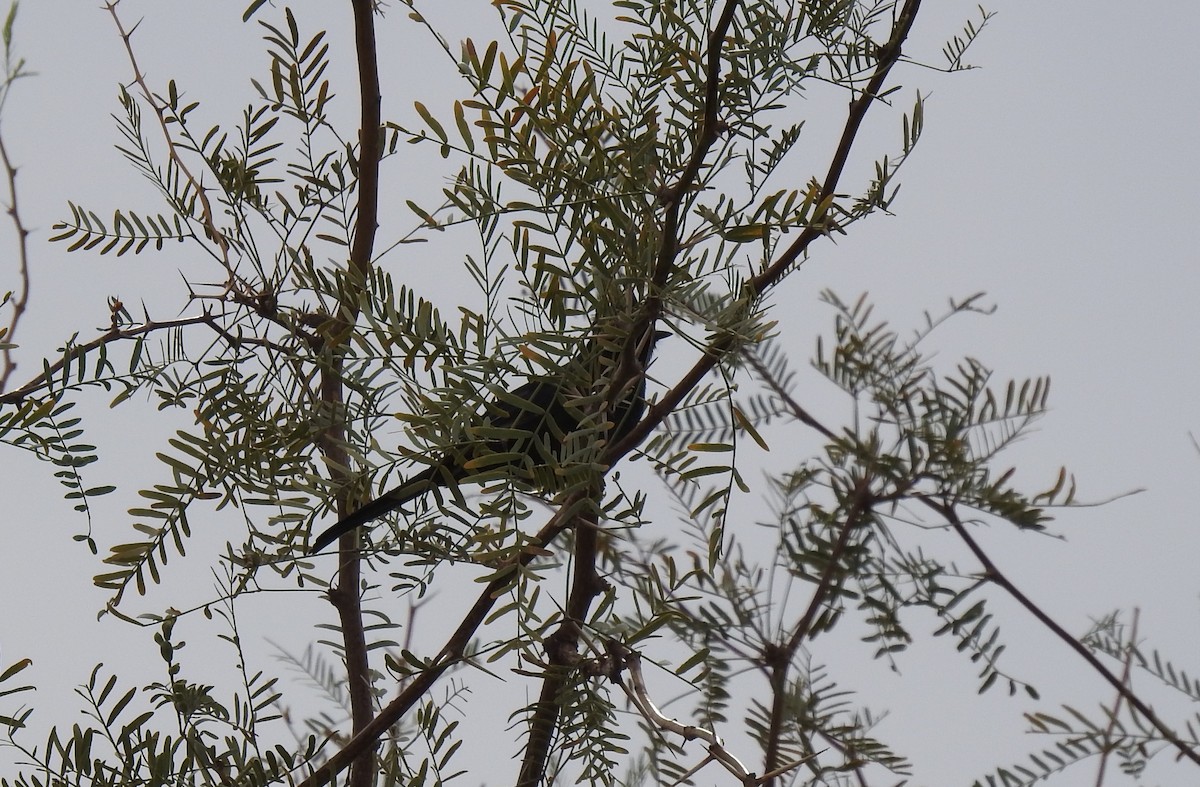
(635, 689)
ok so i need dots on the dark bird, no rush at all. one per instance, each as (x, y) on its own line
(527, 428)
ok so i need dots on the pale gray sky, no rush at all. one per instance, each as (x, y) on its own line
(1061, 177)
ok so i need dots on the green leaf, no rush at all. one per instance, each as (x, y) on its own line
(431, 121)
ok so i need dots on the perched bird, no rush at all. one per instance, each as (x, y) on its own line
(527, 428)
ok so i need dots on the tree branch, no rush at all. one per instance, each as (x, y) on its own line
(111, 335)
(889, 55)
(757, 285)
(21, 299)
(207, 214)
(706, 136)
(995, 576)
(1114, 714)
(780, 663)
(344, 595)
(451, 652)
(562, 647)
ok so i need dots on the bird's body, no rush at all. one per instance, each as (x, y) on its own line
(525, 429)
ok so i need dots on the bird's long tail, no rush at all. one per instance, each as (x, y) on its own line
(389, 501)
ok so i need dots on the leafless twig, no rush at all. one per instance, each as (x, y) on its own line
(20, 298)
(639, 695)
(1126, 680)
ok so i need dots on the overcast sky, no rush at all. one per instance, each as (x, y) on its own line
(1061, 177)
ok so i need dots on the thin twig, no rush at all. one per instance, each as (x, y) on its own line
(20, 301)
(50, 371)
(562, 647)
(207, 215)
(996, 577)
(780, 662)
(21, 298)
(1126, 680)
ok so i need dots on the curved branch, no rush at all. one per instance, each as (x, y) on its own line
(21, 298)
(111, 335)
